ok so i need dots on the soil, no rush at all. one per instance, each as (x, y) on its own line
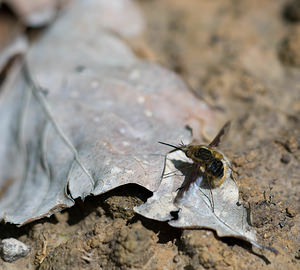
(243, 59)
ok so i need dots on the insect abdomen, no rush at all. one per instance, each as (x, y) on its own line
(216, 168)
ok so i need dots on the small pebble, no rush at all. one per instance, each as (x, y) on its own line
(176, 259)
(282, 223)
(289, 52)
(285, 158)
(291, 11)
(12, 249)
(298, 255)
(291, 211)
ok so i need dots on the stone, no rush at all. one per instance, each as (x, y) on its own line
(12, 249)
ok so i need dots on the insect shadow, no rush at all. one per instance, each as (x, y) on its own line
(186, 170)
(191, 174)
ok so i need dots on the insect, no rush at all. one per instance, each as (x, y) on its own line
(207, 161)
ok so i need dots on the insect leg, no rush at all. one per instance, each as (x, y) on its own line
(212, 197)
(182, 168)
(165, 161)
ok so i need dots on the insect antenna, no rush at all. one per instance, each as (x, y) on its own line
(174, 146)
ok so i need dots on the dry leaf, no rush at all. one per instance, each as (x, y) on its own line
(200, 206)
(84, 118)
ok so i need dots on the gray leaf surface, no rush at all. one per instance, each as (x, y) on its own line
(85, 117)
(198, 208)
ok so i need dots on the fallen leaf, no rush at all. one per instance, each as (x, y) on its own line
(200, 206)
(84, 116)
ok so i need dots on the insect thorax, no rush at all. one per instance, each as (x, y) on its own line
(214, 163)
(202, 154)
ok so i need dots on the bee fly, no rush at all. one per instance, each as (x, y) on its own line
(207, 161)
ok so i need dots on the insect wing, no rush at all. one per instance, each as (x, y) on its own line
(220, 136)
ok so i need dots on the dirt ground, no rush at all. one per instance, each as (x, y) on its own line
(242, 58)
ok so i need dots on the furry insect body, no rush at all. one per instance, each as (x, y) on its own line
(211, 162)
(208, 161)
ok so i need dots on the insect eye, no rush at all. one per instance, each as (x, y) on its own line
(216, 168)
(203, 154)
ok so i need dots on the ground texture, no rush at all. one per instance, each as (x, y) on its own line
(243, 59)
